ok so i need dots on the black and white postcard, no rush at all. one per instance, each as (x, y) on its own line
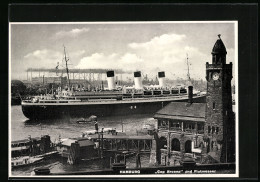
(123, 97)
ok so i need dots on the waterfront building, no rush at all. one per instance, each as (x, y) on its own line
(181, 129)
(220, 120)
(199, 130)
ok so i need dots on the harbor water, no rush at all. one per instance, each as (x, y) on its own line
(21, 128)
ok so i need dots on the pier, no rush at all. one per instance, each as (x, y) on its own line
(120, 143)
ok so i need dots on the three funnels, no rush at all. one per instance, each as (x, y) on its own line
(111, 80)
(138, 80)
(161, 76)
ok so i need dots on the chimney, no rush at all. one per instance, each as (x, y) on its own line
(111, 80)
(161, 76)
(138, 80)
(190, 94)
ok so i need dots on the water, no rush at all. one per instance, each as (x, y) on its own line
(21, 127)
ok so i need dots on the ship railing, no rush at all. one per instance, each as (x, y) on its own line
(154, 97)
(60, 100)
(129, 99)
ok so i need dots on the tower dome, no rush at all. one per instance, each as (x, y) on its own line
(219, 47)
(219, 52)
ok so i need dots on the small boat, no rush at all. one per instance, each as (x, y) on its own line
(31, 146)
(22, 147)
(187, 162)
(25, 161)
(42, 171)
(88, 120)
(105, 131)
(146, 129)
(148, 126)
(83, 121)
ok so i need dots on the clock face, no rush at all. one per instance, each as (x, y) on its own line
(215, 76)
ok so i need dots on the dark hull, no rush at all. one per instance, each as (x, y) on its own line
(99, 110)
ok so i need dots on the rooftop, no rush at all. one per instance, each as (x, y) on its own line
(83, 142)
(25, 140)
(183, 111)
(219, 47)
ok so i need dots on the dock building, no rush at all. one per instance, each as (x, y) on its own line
(200, 129)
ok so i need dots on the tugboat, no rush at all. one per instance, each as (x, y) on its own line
(31, 151)
(88, 120)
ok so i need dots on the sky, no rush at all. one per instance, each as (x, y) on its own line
(148, 47)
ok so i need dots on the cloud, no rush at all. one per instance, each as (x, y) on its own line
(97, 60)
(127, 61)
(162, 53)
(167, 52)
(159, 42)
(46, 58)
(76, 54)
(130, 59)
(72, 33)
(43, 58)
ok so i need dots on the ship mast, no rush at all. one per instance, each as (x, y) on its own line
(67, 69)
(188, 74)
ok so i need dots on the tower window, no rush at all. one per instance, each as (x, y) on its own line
(213, 129)
(217, 129)
(214, 105)
(208, 129)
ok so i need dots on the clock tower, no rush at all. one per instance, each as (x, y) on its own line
(220, 124)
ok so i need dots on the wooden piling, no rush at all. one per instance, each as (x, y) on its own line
(110, 162)
(74, 155)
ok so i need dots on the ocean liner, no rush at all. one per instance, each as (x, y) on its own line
(137, 99)
(126, 101)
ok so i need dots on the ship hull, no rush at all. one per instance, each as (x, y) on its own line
(45, 111)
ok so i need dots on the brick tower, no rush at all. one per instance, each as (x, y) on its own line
(220, 123)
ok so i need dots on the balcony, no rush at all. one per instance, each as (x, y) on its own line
(178, 129)
(187, 130)
(163, 127)
(200, 131)
(175, 129)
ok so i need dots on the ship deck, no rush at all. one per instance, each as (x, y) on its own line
(109, 101)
